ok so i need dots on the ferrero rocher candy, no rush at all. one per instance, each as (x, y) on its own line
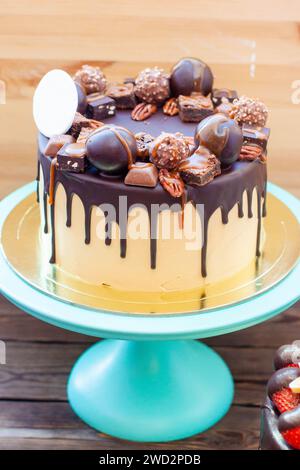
(222, 136)
(190, 75)
(152, 86)
(111, 149)
(249, 111)
(92, 79)
(168, 150)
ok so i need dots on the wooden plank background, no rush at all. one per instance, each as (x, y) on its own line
(254, 48)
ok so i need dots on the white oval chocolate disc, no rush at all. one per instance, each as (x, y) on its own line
(55, 103)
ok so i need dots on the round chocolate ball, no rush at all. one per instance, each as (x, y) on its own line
(82, 100)
(222, 136)
(111, 149)
(190, 75)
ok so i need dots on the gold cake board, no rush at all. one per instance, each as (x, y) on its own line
(21, 244)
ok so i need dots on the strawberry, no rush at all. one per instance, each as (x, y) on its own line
(292, 437)
(285, 399)
(293, 365)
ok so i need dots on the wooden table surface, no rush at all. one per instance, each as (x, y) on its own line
(255, 50)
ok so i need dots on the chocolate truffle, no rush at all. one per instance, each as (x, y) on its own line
(222, 136)
(249, 111)
(111, 149)
(92, 79)
(190, 75)
(168, 150)
(82, 101)
(152, 86)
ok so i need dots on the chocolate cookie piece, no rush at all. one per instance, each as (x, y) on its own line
(56, 142)
(72, 157)
(218, 93)
(194, 108)
(143, 140)
(100, 106)
(123, 95)
(191, 75)
(142, 174)
(200, 168)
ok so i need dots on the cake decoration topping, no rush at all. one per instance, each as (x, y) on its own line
(111, 149)
(222, 136)
(152, 85)
(168, 150)
(142, 174)
(295, 385)
(123, 94)
(72, 157)
(82, 100)
(225, 107)
(249, 111)
(143, 111)
(195, 107)
(219, 94)
(171, 182)
(200, 168)
(251, 152)
(56, 142)
(143, 140)
(92, 79)
(171, 107)
(190, 75)
(81, 122)
(100, 106)
(255, 135)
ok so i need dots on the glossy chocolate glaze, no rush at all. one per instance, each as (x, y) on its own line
(94, 188)
(287, 354)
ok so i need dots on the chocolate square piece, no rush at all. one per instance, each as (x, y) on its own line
(218, 93)
(123, 94)
(142, 174)
(100, 106)
(72, 157)
(255, 135)
(194, 108)
(200, 168)
(56, 142)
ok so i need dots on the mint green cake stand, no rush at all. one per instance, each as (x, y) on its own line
(149, 381)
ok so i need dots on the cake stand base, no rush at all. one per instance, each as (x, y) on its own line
(150, 390)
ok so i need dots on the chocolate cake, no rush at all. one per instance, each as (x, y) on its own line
(280, 418)
(165, 192)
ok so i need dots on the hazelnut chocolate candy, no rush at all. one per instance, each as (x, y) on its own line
(92, 79)
(222, 136)
(249, 111)
(218, 94)
(123, 94)
(56, 142)
(143, 140)
(194, 108)
(168, 150)
(111, 149)
(152, 86)
(72, 157)
(142, 174)
(100, 106)
(200, 168)
(190, 75)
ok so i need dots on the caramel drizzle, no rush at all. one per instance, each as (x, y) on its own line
(52, 180)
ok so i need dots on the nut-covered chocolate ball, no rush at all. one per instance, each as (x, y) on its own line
(92, 79)
(190, 75)
(82, 100)
(111, 149)
(168, 150)
(249, 111)
(222, 136)
(152, 86)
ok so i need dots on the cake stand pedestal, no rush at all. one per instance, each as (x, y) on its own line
(149, 381)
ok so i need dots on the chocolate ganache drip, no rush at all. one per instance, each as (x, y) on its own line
(93, 190)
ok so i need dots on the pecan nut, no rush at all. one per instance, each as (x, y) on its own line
(170, 107)
(142, 111)
(252, 152)
(171, 182)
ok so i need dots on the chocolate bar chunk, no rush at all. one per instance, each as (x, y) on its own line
(255, 135)
(100, 106)
(142, 174)
(123, 94)
(56, 142)
(72, 157)
(194, 108)
(200, 168)
(218, 93)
